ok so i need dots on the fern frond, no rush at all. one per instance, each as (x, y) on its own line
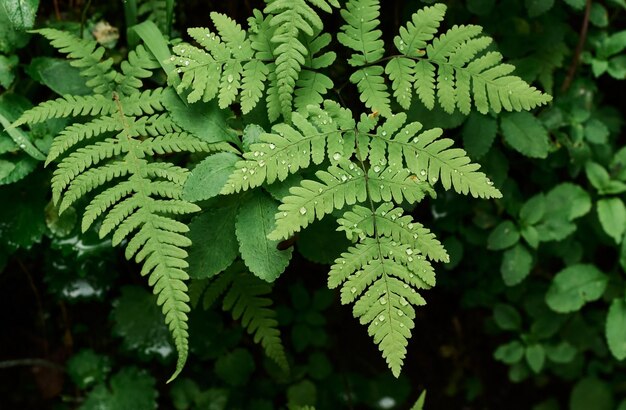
(245, 297)
(290, 18)
(457, 66)
(372, 89)
(361, 32)
(341, 185)
(428, 156)
(112, 151)
(76, 133)
(423, 26)
(86, 55)
(67, 106)
(382, 276)
(288, 149)
(391, 222)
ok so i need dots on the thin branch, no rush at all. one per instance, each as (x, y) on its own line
(582, 38)
(6, 364)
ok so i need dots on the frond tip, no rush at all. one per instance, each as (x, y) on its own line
(382, 275)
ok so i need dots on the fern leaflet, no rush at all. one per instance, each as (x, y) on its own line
(110, 154)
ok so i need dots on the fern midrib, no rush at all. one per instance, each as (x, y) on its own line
(376, 236)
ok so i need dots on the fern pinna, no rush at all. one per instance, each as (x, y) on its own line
(277, 56)
(453, 68)
(370, 166)
(109, 150)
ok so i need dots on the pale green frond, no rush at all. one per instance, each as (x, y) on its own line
(423, 26)
(288, 149)
(247, 302)
(103, 201)
(175, 142)
(254, 76)
(147, 102)
(67, 106)
(85, 54)
(429, 157)
(310, 89)
(79, 132)
(361, 32)
(342, 185)
(425, 83)
(372, 89)
(85, 182)
(400, 72)
(83, 158)
(391, 222)
(382, 276)
(139, 64)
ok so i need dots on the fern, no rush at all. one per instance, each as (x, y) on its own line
(280, 55)
(110, 155)
(244, 296)
(366, 162)
(453, 68)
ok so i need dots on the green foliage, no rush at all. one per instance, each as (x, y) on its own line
(302, 163)
(127, 127)
(453, 68)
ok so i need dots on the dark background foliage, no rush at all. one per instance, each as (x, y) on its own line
(75, 315)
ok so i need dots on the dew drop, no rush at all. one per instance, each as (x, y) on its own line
(409, 251)
(433, 179)
(416, 140)
(256, 153)
(423, 173)
(410, 259)
(376, 168)
(186, 62)
(414, 236)
(303, 211)
(384, 133)
(284, 213)
(336, 156)
(400, 313)
(381, 318)
(229, 78)
(272, 146)
(383, 301)
(353, 289)
(344, 178)
(410, 226)
(403, 302)
(261, 163)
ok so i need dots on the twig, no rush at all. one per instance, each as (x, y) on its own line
(57, 12)
(30, 362)
(582, 38)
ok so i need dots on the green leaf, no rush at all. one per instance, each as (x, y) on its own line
(204, 120)
(525, 134)
(10, 38)
(58, 75)
(616, 328)
(597, 175)
(564, 203)
(7, 68)
(209, 256)
(599, 16)
(612, 215)
(591, 393)
(516, 265)
(419, 404)
(87, 368)
(479, 132)
(596, 132)
(535, 357)
(208, 177)
(538, 7)
(131, 388)
(562, 353)
(503, 236)
(507, 317)
(21, 13)
(576, 4)
(574, 286)
(509, 353)
(138, 320)
(254, 222)
(236, 367)
(533, 210)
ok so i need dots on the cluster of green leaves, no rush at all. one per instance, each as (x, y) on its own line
(306, 165)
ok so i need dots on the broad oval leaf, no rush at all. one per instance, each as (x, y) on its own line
(525, 134)
(208, 177)
(503, 236)
(516, 264)
(616, 328)
(254, 222)
(574, 286)
(612, 215)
